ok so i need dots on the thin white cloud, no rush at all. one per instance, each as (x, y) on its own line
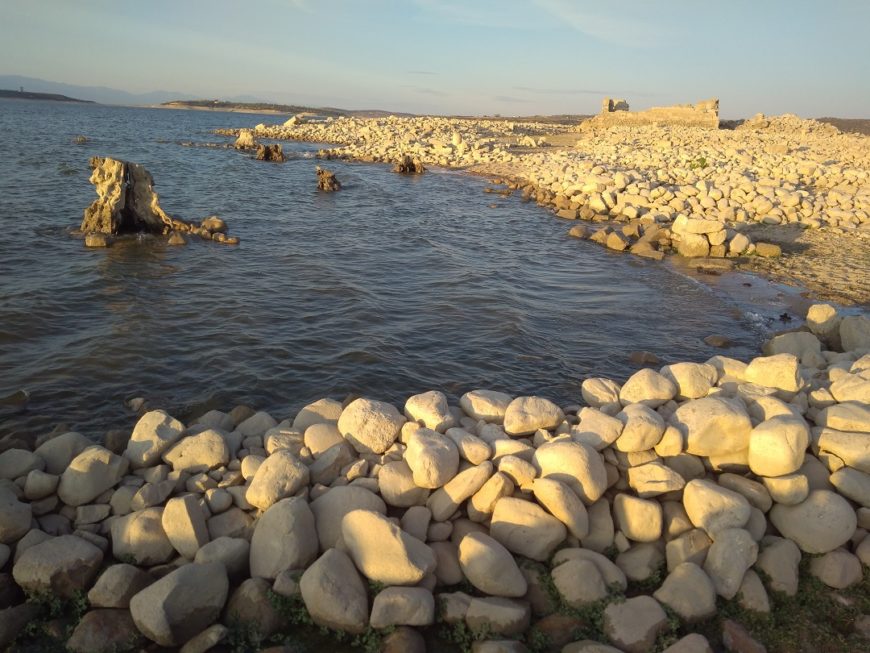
(614, 28)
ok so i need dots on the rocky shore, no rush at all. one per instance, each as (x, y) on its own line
(654, 189)
(720, 505)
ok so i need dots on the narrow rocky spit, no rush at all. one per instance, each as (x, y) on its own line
(630, 518)
(654, 190)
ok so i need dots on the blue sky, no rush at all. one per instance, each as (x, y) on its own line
(453, 56)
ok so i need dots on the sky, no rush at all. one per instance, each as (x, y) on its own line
(509, 57)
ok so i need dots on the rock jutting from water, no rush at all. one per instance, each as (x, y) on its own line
(127, 203)
(683, 486)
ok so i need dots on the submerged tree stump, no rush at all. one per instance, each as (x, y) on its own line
(408, 166)
(126, 201)
(326, 180)
(270, 153)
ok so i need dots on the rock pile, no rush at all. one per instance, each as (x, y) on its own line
(326, 180)
(127, 203)
(370, 517)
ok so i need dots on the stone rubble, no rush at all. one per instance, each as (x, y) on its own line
(721, 476)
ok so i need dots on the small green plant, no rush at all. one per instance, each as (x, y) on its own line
(371, 640)
(461, 636)
(292, 608)
(242, 637)
(537, 641)
(699, 163)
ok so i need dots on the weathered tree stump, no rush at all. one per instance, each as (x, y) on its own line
(408, 166)
(270, 153)
(126, 203)
(326, 180)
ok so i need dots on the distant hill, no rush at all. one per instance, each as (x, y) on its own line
(269, 107)
(101, 94)
(853, 125)
(27, 95)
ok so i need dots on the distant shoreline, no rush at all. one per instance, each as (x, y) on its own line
(31, 95)
(220, 109)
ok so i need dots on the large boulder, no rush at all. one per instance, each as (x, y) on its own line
(370, 426)
(181, 604)
(117, 585)
(199, 453)
(525, 528)
(487, 405)
(713, 426)
(139, 538)
(403, 606)
(281, 475)
(525, 415)
(153, 434)
(713, 507)
(383, 552)
(330, 508)
(60, 566)
(284, 538)
(334, 594)
(634, 624)
(777, 445)
(184, 523)
(576, 465)
(781, 371)
(648, 387)
(490, 567)
(105, 631)
(430, 409)
(59, 451)
(15, 517)
(732, 553)
(322, 411)
(89, 474)
(432, 457)
(821, 523)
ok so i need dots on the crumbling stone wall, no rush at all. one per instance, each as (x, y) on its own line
(616, 112)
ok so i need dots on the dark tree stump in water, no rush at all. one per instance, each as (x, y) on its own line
(326, 180)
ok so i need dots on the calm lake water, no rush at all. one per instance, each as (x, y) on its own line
(393, 286)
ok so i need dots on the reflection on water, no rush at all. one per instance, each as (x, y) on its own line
(390, 287)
